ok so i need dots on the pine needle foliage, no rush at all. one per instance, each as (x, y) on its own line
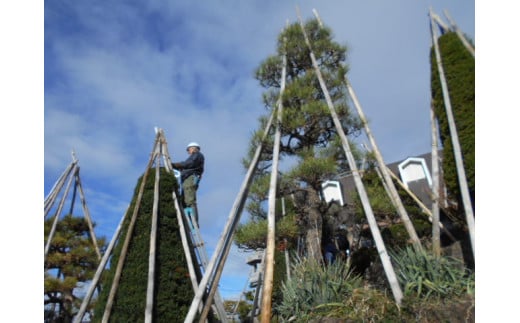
(70, 264)
(253, 235)
(307, 127)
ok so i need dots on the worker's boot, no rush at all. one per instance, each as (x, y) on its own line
(192, 214)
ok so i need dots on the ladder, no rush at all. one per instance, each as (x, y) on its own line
(196, 238)
(200, 252)
(184, 218)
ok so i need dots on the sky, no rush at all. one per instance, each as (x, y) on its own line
(109, 72)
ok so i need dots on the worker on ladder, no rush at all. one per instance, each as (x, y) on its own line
(191, 172)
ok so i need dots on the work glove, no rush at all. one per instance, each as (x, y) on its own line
(176, 165)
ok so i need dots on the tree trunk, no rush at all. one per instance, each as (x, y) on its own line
(314, 228)
(67, 301)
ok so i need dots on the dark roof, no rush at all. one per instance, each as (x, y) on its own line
(419, 187)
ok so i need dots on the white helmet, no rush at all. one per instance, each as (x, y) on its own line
(193, 144)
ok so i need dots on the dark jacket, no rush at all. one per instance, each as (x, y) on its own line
(193, 165)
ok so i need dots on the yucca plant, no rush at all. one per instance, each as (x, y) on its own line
(365, 304)
(423, 274)
(313, 286)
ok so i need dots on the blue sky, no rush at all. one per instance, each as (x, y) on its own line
(108, 72)
(114, 70)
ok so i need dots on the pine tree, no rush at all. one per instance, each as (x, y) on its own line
(309, 137)
(70, 264)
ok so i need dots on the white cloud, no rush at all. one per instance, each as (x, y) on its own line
(114, 71)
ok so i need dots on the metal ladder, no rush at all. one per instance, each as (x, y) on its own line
(202, 257)
(196, 238)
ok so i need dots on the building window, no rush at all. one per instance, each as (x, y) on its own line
(332, 192)
(414, 169)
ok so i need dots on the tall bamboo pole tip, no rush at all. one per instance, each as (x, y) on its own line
(298, 14)
(447, 14)
(317, 17)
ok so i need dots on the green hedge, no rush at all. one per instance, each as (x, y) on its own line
(459, 68)
(173, 292)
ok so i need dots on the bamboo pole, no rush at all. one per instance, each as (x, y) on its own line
(271, 216)
(463, 39)
(436, 235)
(392, 191)
(179, 211)
(86, 213)
(439, 21)
(224, 244)
(385, 177)
(185, 245)
(124, 250)
(163, 151)
(180, 214)
(74, 192)
(153, 243)
(461, 174)
(414, 197)
(286, 250)
(86, 300)
(385, 259)
(231, 231)
(57, 215)
(421, 204)
(51, 197)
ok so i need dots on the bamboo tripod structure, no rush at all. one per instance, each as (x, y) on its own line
(206, 289)
(217, 262)
(69, 176)
(376, 234)
(235, 214)
(159, 151)
(72, 174)
(461, 174)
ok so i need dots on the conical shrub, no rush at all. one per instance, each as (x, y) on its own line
(173, 292)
